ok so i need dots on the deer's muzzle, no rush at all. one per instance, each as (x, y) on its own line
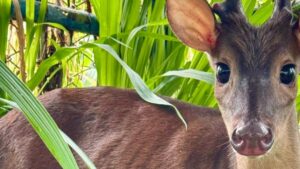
(252, 139)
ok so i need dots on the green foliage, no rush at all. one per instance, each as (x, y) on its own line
(138, 32)
(33, 40)
(4, 20)
(38, 117)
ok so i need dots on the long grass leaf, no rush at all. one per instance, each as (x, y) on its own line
(34, 45)
(66, 138)
(141, 88)
(77, 149)
(4, 21)
(38, 117)
(57, 57)
(194, 74)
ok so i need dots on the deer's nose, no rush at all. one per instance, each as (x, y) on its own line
(252, 140)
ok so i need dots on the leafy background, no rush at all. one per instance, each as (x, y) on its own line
(46, 56)
(137, 30)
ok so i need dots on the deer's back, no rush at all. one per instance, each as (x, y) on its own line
(118, 130)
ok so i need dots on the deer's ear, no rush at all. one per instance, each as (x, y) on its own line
(193, 23)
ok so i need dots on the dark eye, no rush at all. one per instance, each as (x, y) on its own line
(223, 73)
(288, 74)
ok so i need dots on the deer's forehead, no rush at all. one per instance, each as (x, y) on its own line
(255, 48)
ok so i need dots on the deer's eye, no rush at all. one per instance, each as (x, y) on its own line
(287, 74)
(223, 73)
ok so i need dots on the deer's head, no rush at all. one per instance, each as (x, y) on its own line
(255, 67)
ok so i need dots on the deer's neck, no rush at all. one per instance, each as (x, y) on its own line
(284, 154)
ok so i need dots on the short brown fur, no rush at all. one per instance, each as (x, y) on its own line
(118, 130)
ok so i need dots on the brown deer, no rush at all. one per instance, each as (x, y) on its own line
(256, 88)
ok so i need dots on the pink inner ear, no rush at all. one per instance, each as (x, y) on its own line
(193, 23)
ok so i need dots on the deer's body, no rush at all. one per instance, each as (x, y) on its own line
(133, 134)
(118, 130)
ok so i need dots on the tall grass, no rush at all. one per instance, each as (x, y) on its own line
(139, 33)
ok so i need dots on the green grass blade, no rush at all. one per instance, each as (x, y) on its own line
(82, 154)
(139, 28)
(11, 103)
(108, 13)
(57, 57)
(67, 139)
(29, 20)
(4, 21)
(262, 14)
(248, 7)
(38, 117)
(194, 74)
(141, 88)
(33, 45)
(136, 80)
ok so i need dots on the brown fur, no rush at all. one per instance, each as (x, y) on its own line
(118, 130)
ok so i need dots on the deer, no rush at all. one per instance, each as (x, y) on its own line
(255, 126)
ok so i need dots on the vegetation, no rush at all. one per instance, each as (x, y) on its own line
(134, 40)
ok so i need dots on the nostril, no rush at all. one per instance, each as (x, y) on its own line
(267, 140)
(237, 139)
